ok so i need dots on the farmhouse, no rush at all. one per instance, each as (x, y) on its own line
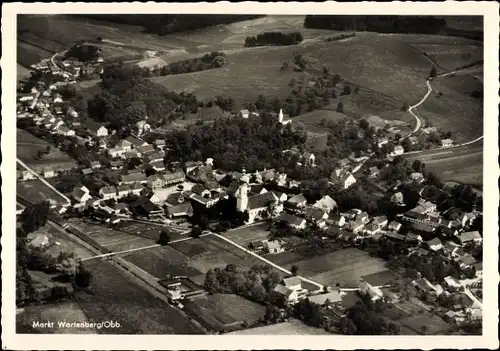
(117, 152)
(133, 142)
(181, 210)
(332, 297)
(337, 219)
(287, 295)
(124, 144)
(371, 229)
(423, 284)
(297, 201)
(470, 237)
(144, 207)
(64, 130)
(108, 192)
(356, 226)
(95, 129)
(326, 203)
(434, 244)
(95, 164)
(173, 177)
(81, 194)
(317, 216)
(342, 178)
(292, 221)
(205, 201)
(132, 178)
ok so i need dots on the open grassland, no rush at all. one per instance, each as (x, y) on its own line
(28, 145)
(455, 110)
(68, 311)
(451, 57)
(224, 312)
(344, 267)
(28, 54)
(35, 191)
(244, 236)
(426, 323)
(114, 297)
(292, 327)
(22, 72)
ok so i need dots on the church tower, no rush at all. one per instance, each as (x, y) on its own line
(242, 197)
(280, 116)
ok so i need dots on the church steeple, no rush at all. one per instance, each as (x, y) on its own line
(280, 116)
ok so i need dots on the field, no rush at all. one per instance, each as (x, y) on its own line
(455, 110)
(34, 190)
(462, 165)
(244, 236)
(292, 327)
(22, 72)
(114, 297)
(68, 311)
(27, 146)
(344, 267)
(28, 54)
(225, 312)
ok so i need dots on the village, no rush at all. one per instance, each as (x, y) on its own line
(414, 256)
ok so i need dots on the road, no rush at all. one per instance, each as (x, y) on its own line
(410, 110)
(320, 286)
(42, 179)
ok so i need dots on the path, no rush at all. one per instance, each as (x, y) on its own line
(320, 286)
(410, 110)
(42, 179)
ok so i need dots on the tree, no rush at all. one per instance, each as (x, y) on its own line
(405, 107)
(164, 238)
(347, 90)
(417, 166)
(433, 72)
(348, 327)
(326, 72)
(211, 282)
(34, 216)
(83, 277)
(272, 314)
(363, 124)
(340, 107)
(196, 232)
(294, 270)
(134, 162)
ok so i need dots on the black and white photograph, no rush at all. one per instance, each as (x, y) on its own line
(229, 173)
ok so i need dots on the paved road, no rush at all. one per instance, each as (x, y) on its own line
(42, 179)
(320, 286)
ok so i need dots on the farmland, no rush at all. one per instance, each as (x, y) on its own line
(292, 327)
(344, 267)
(246, 235)
(35, 189)
(113, 297)
(27, 147)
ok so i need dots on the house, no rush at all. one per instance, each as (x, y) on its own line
(326, 203)
(205, 201)
(424, 285)
(317, 216)
(413, 238)
(258, 189)
(123, 190)
(160, 144)
(344, 163)
(375, 293)
(95, 164)
(297, 201)
(108, 192)
(288, 295)
(395, 236)
(26, 175)
(425, 207)
(413, 140)
(273, 246)
(380, 221)
(292, 221)
(446, 142)
(155, 181)
(348, 236)
(124, 144)
(429, 130)
(470, 238)
(132, 178)
(465, 261)
(181, 210)
(37, 240)
(337, 219)
(332, 297)
(417, 177)
(452, 283)
(382, 141)
(144, 207)
(292, 282)
(309, 159)
(121, 208)
(48, 173)
(363, 217)
(342, 178)
(87, 171)
(64, 130)
(478, 268)
(257, 245)
(135, 142)
(146, 150)
(81, 194)
(373, 172)
(398, 199)
(95, 129)
(450, 249)
(371, 229)
(398, 150)
(173, 177)
(423, 227)
(356, 226)
(282, 119)
(116, 164)
(158, 166)
(136, 188)
(434, 244)
(192, 165)
(422, 252)
(117, 152)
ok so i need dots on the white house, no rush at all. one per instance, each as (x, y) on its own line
(446, 142)
(81, 194)
(289, 295)
(342, 178)
(470, 237)
(95, 129)
(273, 246)
(326, 203)
(398, 150)
(293, 221)
(108, 192)
(48, 173)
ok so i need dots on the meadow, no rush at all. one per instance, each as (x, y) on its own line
(244, 236)
(291, 327)
(35, 189)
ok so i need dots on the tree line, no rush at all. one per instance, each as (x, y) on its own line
(381, 24)
(274, 38)
(213, 60)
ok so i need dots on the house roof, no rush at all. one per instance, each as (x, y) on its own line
(143, 149)
(291, 219)
(177, 175)
(333, 297)
(261, 200)
(114, 163)
(78, 193)
(394, 235)
(434, 242)
(467, 259)
(379, 220)
(314, 213)
(344, 162)
(273, 244)
(283, 290)
(134, 177)
(297, 199)
(157, 165)
(335, 217)
(326, 203)
(121, 206)
(469, 236)
(380, 278)
(136, 142)
(423, 227)
(292, 281)
(93, 126)
(108, 190)
(181, 209)
(424, 284)
(268, 174)
(356, 224)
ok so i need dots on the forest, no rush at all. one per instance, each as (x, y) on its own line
(274, 38)
(170, 23)
(380, 24)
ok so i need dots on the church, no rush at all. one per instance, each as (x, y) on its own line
(258, 205)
